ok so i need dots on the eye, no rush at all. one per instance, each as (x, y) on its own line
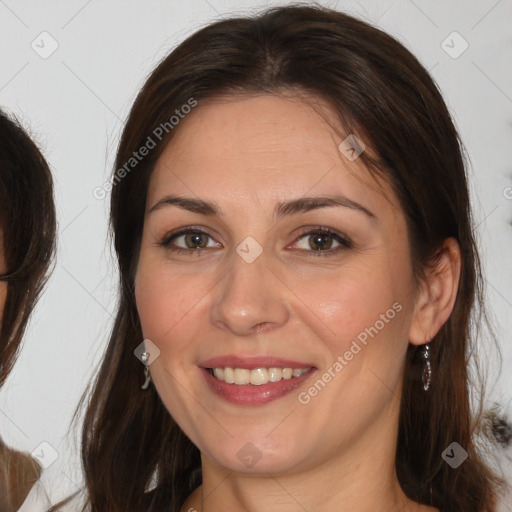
(320, 242)
(189, 240)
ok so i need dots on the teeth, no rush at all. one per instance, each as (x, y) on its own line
(242, 376)
(229, 375)
(275, 374)
(257, 377)
(287, 373)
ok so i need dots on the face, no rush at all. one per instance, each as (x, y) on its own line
(251, 273)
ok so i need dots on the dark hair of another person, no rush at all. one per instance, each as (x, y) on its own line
(380, 92)
(27, 224)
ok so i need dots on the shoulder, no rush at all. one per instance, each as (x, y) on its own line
(18, 474)
(37, 500)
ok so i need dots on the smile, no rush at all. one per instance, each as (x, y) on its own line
(256, 377)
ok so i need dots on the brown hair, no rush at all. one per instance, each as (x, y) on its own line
(379, 91)
(27, 225)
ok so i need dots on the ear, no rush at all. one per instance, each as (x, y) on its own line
(437, 294)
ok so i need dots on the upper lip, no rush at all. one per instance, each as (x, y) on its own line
(252, 362)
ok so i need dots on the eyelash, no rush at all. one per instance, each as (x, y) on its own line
(344, 242)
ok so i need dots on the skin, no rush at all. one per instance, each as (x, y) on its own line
(336, 453)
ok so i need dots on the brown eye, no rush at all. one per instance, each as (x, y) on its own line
(196, 240)
(319, 242)
(189, 240)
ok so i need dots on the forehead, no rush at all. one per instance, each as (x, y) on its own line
(262, 148)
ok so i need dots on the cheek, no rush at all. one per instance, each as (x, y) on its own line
(363, 312)
(169, 305)
(352, 300)
(161, 302)
(156, 304)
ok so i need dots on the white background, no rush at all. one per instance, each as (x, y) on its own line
(75, 102)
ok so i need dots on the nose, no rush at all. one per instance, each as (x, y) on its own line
(250, 299)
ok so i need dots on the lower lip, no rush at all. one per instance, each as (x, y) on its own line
(253, 395)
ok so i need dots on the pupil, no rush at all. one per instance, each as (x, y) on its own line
(196, 239)
(319, 241)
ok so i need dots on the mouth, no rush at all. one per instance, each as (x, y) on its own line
(254, 380)
(256, 377)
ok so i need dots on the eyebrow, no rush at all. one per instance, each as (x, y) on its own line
(296, 206)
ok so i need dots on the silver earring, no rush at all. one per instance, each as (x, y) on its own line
(427, 367)
(144, 357)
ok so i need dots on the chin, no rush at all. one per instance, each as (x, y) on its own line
(244, 456)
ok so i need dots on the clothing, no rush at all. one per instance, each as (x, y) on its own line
(19, 473)
(37, 500)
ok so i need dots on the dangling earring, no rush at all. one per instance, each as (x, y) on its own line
(427, 367)
(144, 357)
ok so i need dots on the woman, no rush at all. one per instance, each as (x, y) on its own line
(27, 239)
(298, 275)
